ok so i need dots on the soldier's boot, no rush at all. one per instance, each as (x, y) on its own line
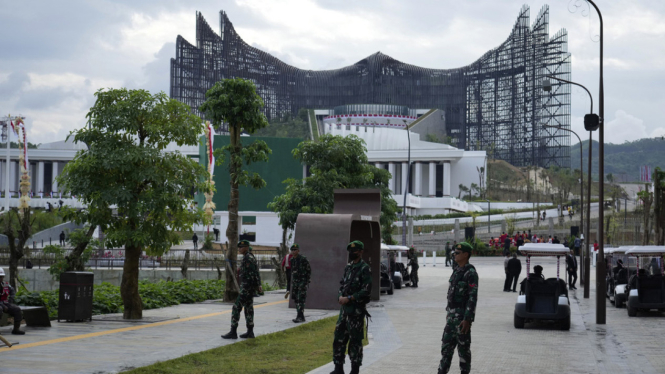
(17, 326)
(233, 334)
(339, 369)
(355, 368)
(300, 318)
(249, 334)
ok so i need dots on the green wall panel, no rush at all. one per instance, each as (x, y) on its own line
(280, 166)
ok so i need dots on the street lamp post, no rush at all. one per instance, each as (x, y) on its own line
(584, 275)
(405, 189)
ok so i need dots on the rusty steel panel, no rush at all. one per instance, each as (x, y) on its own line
(364, 202)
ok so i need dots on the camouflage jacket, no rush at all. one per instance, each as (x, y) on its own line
(463, 292)
(357, 282)
(413, 258)
(250, 279)
(300, 270)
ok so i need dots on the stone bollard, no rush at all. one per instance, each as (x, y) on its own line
(424, 258)
(434, 258)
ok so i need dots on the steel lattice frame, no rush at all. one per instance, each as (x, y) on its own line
(497, 100)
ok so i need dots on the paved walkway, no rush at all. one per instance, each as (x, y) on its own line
(623, 345)
(405, 334)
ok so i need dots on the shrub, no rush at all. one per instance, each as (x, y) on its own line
(106, 297)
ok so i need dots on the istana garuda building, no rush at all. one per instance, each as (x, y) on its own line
(496, 103)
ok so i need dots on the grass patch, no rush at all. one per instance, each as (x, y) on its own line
(293, 351)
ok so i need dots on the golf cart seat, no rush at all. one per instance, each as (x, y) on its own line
(650, 288)
(621, 277)
(542, 296)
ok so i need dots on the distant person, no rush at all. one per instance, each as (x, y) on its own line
(577, 243)
(506, 283)
(549, 240)
(62, 239)
(302, 273)
(413, 261)
(286, 266)
(7, 304)
(195, 240)
(595, 245)
(216, 232)
(514, 269)
(556, 240)
(571, 267)
(536, 276)
(506, 246)
(654, 267)
(520, 241)
(448, 251)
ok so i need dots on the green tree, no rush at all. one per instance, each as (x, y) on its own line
(127, 167)
(288, 126)
(335, 162)
(17, 226)
(236, 102)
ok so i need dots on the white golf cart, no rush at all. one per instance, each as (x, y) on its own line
(543, 299)
(398, 265)
(646, 289)
(617, 278)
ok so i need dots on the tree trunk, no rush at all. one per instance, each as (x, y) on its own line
(129, 287)
(235, 166)
(74, 262)
(185, 265)
(16, 250)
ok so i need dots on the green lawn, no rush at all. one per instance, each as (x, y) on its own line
(293, 351)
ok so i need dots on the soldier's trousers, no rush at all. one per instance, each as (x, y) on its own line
(245, 301)
(299, 295)
(414, 274)
(349, 329)
(11, 309)
(451, 339)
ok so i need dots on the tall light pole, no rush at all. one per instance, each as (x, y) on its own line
(489, 216)
(584, 277)
(405, 189)
(601, 307)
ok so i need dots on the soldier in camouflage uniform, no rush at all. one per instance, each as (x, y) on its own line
(250, 282)
(354, 294)
(413, 260)
(300, 277)
(462, 298)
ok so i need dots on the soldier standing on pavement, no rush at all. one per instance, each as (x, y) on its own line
(413, 260)
(448, 251)
(462, 299)
(300, 277)
(354, 293)
(250, 282)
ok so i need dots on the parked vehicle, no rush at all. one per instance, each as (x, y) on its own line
(646, 289)
(543, 299)
(398, 265)
(618, 278)
(386, 285)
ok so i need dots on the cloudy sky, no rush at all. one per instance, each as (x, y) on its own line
(56, 54)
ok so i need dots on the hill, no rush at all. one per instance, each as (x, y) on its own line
(623, 161)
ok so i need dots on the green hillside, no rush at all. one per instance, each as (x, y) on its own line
(623, 161)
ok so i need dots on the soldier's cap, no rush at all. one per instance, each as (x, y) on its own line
(355, 246)
(243, 243)
(295, 246)
(464, 247)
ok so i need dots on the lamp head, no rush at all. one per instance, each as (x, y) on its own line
(547, 85)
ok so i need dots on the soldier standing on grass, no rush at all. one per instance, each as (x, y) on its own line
(353, 296)
(462, 299)
(300, 277)
(250, 282)
(413, 260)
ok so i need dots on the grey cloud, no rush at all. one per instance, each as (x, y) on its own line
(14, 83)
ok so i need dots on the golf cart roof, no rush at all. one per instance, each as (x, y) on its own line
(384, 246)
(647, 250)
(619, 250)
(544, 249)
(397, 248)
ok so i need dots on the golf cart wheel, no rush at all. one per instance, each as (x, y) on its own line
(632, 312)
(397, 281)
(613, 301)
(565, 324)
(390, 291)
(519, 322)
(617, 301)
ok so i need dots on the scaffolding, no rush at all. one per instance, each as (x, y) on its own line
(495, 104)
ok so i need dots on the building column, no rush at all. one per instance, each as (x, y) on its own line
(432, 179)
(40, 177)
(378, 165)
(446, 178)
(405, 171)
(13, 176)
(418, 178)
(3, 176)
(54, 184)
(391, 183)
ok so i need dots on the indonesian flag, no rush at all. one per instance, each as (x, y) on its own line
(211, 159)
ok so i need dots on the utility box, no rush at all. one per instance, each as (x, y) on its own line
(75, 296)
